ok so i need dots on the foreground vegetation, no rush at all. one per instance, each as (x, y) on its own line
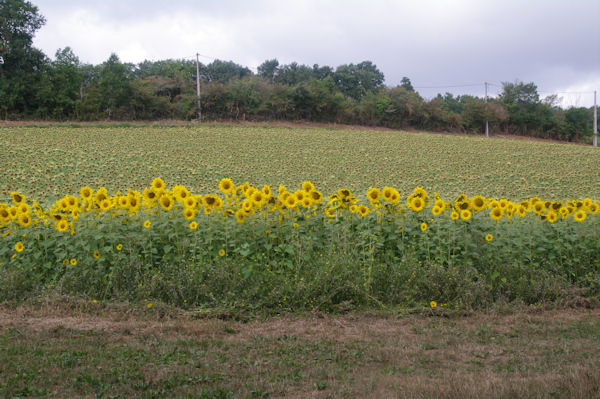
(65, 348)
(253, 248)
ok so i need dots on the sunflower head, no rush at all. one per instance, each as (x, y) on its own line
(158, 185)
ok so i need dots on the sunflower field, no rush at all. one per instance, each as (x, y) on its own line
(260, 247)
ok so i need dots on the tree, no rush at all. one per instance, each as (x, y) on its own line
(356, 81)
(113, 85)
(405, 82)
(268, 69)
(293, 74)
(224, 71)
(522, 103)
(21, 74)
(65, 80)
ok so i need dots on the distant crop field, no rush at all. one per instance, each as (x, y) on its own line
(47, 163)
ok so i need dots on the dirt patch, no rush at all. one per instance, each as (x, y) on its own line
(351, 327)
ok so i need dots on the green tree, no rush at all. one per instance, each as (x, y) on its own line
(522, 103)
(224, 71)
(268, 69)
(65, 81)
(405, 82)
(21, 74)
(113, 86)
(355, 81)
(293, 74)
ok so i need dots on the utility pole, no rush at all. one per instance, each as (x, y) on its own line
(595, 121)
(198, 87)
(487, 131)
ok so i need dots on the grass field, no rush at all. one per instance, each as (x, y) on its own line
(68, 349)
(46, 163)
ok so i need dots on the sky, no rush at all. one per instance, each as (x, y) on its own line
(440, 45)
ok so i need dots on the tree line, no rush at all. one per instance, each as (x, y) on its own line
(34, 86)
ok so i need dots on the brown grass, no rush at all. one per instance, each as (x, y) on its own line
(539, 354)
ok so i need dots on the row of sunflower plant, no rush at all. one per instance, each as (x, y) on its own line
(247, 246)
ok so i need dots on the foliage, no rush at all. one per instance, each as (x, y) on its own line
(249, 246)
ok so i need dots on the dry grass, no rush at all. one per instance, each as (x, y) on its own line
(112, 349)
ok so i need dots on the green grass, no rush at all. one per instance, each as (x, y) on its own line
(46, 163)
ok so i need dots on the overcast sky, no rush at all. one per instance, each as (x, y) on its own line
(553, 43)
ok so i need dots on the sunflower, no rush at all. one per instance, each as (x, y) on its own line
(308, 186)
(436, 210)
(240, 215)
(221, 252)
(247, 206)
(147, 224)
(150, 196)
(19, 246)
(86, 193)
(105, 204)
(189, 213)
(433, 304)
(316, 196)
(478, 203)
(580, 215)
(344, 193)
(180, 193)
(119, 247)
(193, 225)
(62, 226)
(96, 254)
(496, 213)
(166, 202)
(454, 215)
(158, 185)
(462, 206)
(17, 197)
(373, 194)
(258, 198)
(489, 237)
(290, 201)
(538, 207)
(73, 261)
(552, 217)
(123, 201)
(465, 214)
(266, 190)
(24, 220)
(306, 202)
(417, 204)
(133, 203)
(423, 226)
(190, 202)
(300, 194)
(100, 195)
(387, 193)
(363, 210)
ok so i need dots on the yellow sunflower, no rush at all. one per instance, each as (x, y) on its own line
(158, 185)
(580, 215)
